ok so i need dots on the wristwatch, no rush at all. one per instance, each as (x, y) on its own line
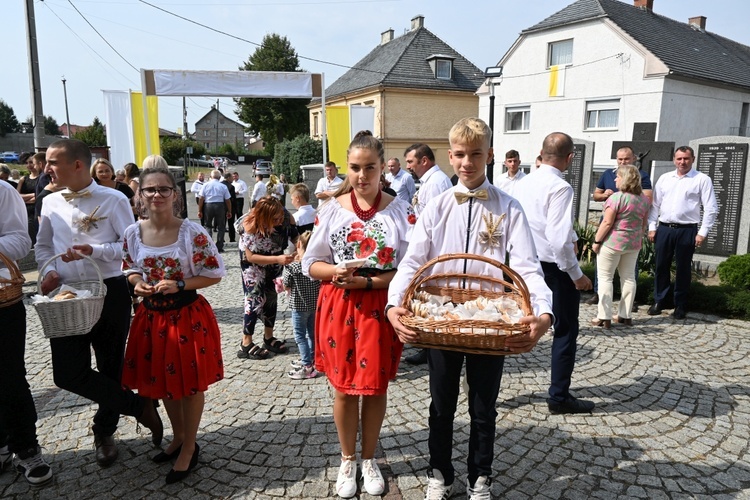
(597, 242)
(368, 286)
(180, 286)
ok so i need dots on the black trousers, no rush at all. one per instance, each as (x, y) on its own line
(565, 303)
(17, 411)
(240, 207)
(203, 214)
(216, 217)
(71, 361)
(483, 374)
(676, 243)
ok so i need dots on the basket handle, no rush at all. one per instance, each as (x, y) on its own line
(514, 276)
(15, 272)
(49, 261)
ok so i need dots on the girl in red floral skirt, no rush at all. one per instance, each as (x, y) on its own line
(354, 344)
(174, 347)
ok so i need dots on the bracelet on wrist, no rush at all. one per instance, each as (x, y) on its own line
(597, 242)
(368, 286)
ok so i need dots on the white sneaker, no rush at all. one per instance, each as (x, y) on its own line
(481, 489)
(296, 364)
(436, 488)
(372, 478)
(6, 457)
(303, 372)
(33, 467)
(346, 484)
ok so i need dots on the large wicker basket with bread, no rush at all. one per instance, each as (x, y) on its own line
(474, 336)
(11, 289)
(67, 315)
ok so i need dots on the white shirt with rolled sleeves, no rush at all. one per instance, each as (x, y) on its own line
(548, 202)
(678, 200)
(60, 229)
(508, 183)
(328, 185)
(15, 242)
(432, 183)
(403, 184)
(240, 187)
(442, 229)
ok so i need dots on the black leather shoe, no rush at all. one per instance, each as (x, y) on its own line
(592, 301)
(166, 457)
(654, 310)
(174, 476)
(106, 450)
(419, 358)
(571, 405)
(679, 313)
(150, 419)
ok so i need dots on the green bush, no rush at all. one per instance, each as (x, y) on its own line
(173, 149)
(289, 155)
(735, 271)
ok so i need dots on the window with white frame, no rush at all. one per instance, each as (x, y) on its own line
(443, 69)
(316, 125)
(602, 114)
(223, 133)
(205, 133)
(517, 119)
(560, 53)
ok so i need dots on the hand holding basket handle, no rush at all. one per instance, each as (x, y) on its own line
(52, 279)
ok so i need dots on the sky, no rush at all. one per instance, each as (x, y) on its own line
(328, 35)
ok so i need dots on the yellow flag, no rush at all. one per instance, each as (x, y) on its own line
(557, 81)
(139, 127)
(337, 128)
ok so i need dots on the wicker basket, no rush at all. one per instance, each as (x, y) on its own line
(11, 290)
(66, 318)
(486, 337)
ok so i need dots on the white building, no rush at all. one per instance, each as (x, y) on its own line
(617, 63)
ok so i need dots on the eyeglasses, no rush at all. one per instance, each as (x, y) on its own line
(163, 191)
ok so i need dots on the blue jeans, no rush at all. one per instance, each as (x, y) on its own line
(303, 323)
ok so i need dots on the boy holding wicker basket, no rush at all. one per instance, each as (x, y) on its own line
(474, 217)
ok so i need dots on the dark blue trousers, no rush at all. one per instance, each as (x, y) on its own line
(678, 244)
(483, 374)
(565, 300)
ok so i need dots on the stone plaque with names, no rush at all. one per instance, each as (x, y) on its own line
(574, 176)
(725, 164)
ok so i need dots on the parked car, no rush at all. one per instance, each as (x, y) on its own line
(228, 160)
(263, 167)
(201, 162)
(9, 157)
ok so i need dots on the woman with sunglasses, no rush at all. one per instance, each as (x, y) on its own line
(174, 346)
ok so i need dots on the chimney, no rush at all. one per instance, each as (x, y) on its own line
(644, 4)
(386, 36)
(698, 22)
(417, 22)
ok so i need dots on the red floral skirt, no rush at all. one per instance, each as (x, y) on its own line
(355, 345)
(173, 353)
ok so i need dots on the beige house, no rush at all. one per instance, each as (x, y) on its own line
(418, 86)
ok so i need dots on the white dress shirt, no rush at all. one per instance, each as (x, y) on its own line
(548, 202)
(259, 190)
(60, 228)
(678, 200)
(305, 215)
(433, 183)
(240, 188)
(214, 192)
(325, 184)
(15, 242)
(442, 229)
(508, 183)
(403, 184)
(196, 187)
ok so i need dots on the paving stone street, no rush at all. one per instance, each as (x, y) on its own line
(672, 421)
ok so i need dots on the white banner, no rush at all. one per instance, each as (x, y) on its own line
(118, 119)
(361, 118)
(233, 83)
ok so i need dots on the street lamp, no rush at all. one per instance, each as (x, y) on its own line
(490, 73)
(67, 118)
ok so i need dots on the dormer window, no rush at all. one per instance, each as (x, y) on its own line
(442, 66)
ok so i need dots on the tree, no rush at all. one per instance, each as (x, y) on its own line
(51, 127)
(302, 150)
(173, 149)
(93, 135)
(8, 121)
(274, 119)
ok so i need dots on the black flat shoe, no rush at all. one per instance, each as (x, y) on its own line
(166, 457)
(571, 405)
(679, 313)
(174, 476)
(654, 310)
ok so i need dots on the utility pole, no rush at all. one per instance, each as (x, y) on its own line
(34, 80)
(67, 117)
(217, 127)
(184, 120)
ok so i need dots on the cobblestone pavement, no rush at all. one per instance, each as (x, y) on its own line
(672, 421)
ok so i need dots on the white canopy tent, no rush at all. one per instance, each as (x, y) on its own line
(259, 84)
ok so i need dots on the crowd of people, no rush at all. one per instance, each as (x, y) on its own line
(346, 266)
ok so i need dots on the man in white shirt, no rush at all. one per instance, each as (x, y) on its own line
(195, 188)
(89, 219)
(509, 179)
(259, 190)
(328, 184)
(548, 202)
(17, 412)
(451, 223)
(421, 162)
(401, 181)
(240, 188)
(216, 202)
(673, 226)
